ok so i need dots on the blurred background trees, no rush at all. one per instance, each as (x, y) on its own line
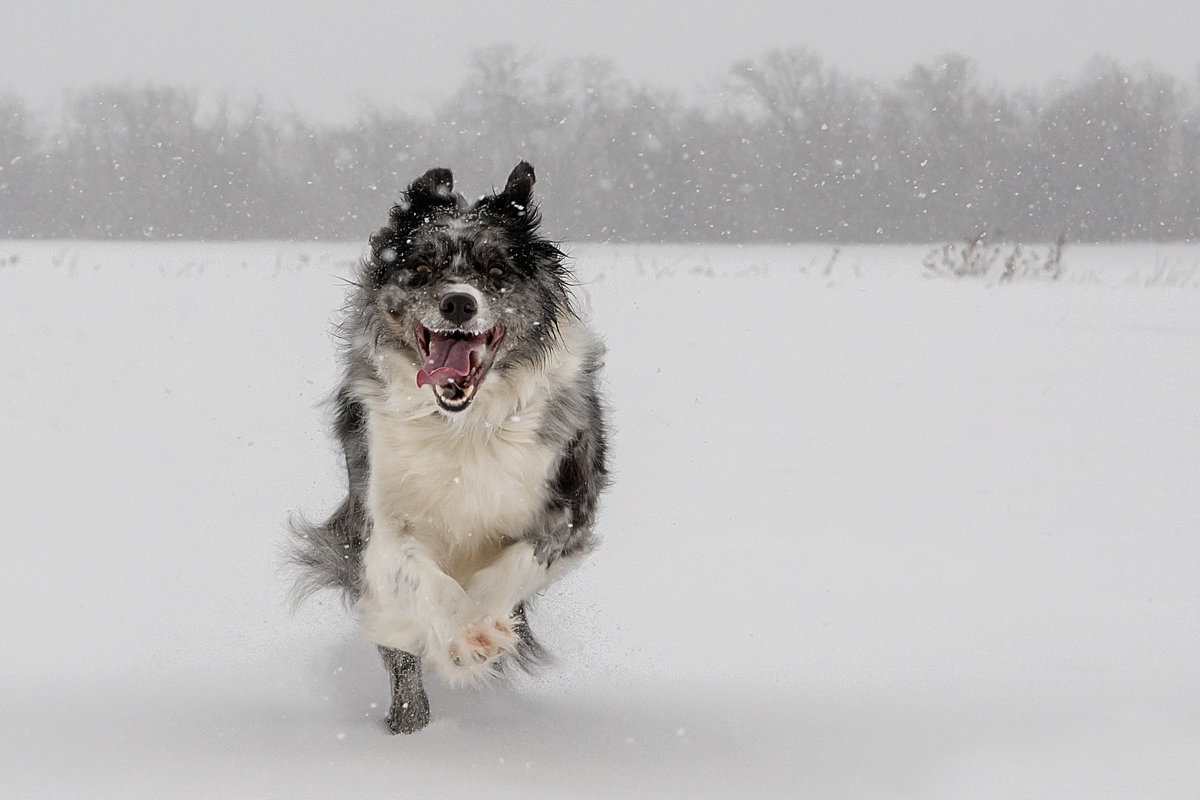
(786, 149)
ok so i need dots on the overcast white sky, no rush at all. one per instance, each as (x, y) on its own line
(324, 58)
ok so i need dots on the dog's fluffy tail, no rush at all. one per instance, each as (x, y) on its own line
(328, 555)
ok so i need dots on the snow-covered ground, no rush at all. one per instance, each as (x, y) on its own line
(872, 535)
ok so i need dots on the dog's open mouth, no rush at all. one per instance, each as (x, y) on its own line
(455, 363)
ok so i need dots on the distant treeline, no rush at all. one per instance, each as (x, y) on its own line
(786, 149)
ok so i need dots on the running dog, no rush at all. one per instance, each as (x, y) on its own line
(474, 437)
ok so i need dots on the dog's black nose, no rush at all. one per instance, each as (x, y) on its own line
(458, 307)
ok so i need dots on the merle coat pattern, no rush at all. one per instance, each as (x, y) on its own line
(473, 433)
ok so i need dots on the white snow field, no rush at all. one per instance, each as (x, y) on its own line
(872, 535)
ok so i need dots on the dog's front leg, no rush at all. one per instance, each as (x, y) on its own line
(409, 710)
(528, 566)
(515, 575)
(409, 603)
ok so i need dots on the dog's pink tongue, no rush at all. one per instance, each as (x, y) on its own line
(449, 359)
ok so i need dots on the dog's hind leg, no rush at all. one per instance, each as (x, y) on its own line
(529, 651)
(410, 706)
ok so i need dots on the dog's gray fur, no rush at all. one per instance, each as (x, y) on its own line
(536, 410)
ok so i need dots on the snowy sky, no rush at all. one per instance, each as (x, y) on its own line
(325, 58)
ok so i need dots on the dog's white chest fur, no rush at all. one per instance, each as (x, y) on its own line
(467, 483)
(458, 486)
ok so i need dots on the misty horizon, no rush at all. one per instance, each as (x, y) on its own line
(325, 62)
(790, 150)
(705, 91)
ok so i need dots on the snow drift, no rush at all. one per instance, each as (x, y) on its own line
(871, 535)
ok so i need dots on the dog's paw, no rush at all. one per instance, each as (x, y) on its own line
(409, 713)
(472, 656)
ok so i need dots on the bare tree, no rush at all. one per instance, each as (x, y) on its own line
(787, 150)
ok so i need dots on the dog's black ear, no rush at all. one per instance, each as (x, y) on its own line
(428, 194)
(515, 202)
(424, 197)
(434, 188)
(515, 210)
(519, 188)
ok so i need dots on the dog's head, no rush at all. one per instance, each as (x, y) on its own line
(468, 288)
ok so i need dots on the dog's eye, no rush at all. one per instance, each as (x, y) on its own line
(495, 272)
(422, 268)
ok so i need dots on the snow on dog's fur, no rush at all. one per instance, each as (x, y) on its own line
(473, 434)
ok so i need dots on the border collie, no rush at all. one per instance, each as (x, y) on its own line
(473, 433)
